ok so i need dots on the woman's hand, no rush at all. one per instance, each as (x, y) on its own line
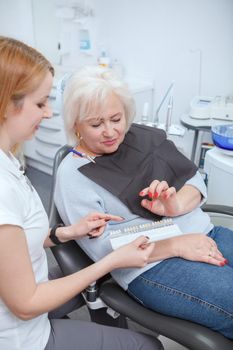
(198, 247)
(165, 201)
(134, 254)
(92, 225)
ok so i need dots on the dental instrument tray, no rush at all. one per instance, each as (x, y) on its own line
(156, 231)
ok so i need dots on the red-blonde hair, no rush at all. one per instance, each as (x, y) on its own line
(22, 69)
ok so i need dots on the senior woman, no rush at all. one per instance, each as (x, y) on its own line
(139, 175)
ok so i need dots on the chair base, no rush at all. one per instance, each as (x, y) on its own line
(101, 316)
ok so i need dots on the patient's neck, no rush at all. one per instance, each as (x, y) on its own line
(81, 148)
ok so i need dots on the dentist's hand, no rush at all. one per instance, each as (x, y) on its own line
(92, 225)
(134, 254)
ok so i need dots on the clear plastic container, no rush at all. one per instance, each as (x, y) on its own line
(104, 60)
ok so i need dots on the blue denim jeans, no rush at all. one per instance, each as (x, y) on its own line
(195, 291)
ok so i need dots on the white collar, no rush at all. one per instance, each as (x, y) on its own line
(10, 164)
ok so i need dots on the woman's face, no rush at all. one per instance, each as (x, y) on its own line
(22, 124)
(103, 132)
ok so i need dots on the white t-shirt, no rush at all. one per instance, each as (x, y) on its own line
(20, 205)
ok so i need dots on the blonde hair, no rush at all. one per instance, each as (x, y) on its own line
(90, 88)
(22, 69)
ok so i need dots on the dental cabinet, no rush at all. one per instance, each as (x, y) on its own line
(218, 166)
(50, 136)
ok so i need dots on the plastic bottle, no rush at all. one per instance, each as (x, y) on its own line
(85, 43)
(104, 60)
(145, 112)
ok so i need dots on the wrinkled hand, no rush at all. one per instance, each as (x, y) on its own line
(134, 254)
(198, 247)
(92, 225)
(163, 199)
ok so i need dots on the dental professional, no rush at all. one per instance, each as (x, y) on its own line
(140, 175)
(26, 294)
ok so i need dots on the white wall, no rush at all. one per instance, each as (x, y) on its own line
(46, 28)
(16, 20)
(155, 37)
(152, 38)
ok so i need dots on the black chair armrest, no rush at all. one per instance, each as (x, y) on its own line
(190, 335)
(217, 208)
(70, 257)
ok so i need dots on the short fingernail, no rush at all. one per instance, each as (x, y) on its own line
(156, 195)
(141, 193)
(222, 263)
(150, 195)
(226, 261)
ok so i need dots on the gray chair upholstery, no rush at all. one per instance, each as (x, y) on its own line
(71, 258)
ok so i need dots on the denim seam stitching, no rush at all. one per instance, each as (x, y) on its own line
(190, 297)
(135, 297)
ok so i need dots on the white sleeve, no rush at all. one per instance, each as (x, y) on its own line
(76, 198)
(75, 195)
(11, 206)
(198, 182)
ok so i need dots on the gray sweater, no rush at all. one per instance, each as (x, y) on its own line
(77, 196)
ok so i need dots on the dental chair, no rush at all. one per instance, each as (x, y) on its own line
(109, 304)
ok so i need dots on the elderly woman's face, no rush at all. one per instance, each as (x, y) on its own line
(103, 132)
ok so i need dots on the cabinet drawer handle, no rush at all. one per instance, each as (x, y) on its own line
(47, 142)
(49, 128)
(42, 155)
